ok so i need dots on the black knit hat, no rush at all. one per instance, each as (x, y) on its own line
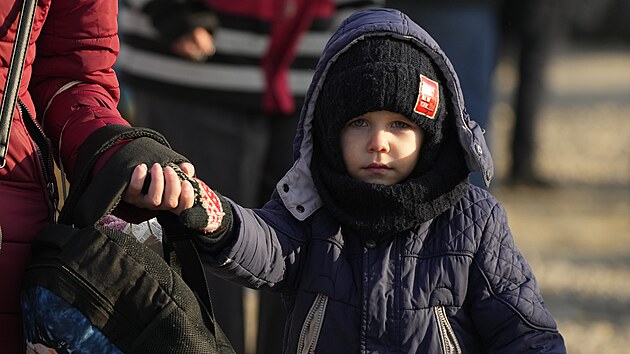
(383, 73)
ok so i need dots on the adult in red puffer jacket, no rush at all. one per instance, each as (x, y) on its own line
(69, 86)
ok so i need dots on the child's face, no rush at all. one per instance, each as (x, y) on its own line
(381, 147)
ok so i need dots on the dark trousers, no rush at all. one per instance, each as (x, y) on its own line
(536, 26)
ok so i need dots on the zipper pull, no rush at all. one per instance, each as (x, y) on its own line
(53, 198)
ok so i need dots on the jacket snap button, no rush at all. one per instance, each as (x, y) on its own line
(300, 209)
(479, 149)
(370, 243)
(285, 187)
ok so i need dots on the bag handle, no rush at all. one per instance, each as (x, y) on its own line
(182, 254)
(92, 197)
(14, 76)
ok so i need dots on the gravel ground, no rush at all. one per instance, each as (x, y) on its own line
(575, 234)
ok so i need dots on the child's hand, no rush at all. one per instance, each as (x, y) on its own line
(166, 190)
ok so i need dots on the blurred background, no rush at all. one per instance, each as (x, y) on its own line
(574, 228)
(566, 183)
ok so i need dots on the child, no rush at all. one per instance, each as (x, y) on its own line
(375, 238)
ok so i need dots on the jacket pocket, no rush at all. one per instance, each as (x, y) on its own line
(447, 335)
(309, 335)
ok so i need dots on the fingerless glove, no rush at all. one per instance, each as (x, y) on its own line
(209, 212)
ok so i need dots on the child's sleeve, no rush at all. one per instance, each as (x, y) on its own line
(506, 304)
(257, 248)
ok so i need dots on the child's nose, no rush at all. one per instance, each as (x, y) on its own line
(378, 142)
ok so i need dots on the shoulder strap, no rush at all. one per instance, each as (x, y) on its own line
(14, 76)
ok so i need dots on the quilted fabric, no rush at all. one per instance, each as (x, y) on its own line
(385, 295)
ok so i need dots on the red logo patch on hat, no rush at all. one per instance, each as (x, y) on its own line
(428, 97)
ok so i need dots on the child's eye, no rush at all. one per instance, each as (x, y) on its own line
(357, 123)
(400, 125)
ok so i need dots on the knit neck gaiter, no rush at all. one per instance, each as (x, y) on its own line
(379, 210)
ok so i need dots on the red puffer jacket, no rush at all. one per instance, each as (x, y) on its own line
(71, 88)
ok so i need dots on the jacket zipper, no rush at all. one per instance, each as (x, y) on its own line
(447, 335)
(42, 148)
(312, 325)
(69, 276)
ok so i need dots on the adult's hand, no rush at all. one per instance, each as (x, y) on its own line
(197, 45)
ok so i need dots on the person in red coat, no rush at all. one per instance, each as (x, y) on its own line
(70, 90)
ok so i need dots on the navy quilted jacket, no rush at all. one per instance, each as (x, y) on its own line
(455, 284)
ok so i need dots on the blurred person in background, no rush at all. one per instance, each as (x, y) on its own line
(228, 74)
(469, 32)
(474, 34)
(532, 27)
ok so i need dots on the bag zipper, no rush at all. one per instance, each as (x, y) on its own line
(42, 148)
(312, 325)
(447, 334)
